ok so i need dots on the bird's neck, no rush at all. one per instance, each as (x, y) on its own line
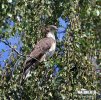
(51, 34)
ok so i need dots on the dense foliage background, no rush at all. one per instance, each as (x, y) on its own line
(78, 56)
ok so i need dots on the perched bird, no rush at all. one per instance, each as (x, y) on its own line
(43, 49)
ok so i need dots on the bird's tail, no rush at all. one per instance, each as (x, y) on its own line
(27, 68)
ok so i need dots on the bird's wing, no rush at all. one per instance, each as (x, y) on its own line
(42, 47)
(37, 53)
(39, 50)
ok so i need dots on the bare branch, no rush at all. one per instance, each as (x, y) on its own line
(11, 47)
(8, 44)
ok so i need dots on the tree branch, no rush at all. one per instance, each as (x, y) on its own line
(8, 44)
(11, 47)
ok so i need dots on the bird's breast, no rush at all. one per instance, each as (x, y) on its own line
(51, 50)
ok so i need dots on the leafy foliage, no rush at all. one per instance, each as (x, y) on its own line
(80, 55)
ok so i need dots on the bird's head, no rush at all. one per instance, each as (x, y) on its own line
(50, 28)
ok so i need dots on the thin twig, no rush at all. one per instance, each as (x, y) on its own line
(16, 50)
(11, 47)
